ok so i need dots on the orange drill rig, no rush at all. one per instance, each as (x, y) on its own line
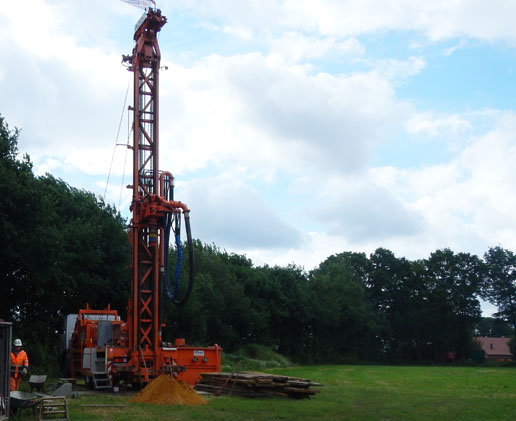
(104, 348)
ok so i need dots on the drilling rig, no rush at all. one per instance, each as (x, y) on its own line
(103, 348)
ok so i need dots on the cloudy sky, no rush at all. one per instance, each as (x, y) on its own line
(294, 129)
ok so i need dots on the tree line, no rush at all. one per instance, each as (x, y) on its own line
(60, 247)
(352, 307)
(63, 247)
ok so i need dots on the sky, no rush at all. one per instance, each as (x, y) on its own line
(294, 129)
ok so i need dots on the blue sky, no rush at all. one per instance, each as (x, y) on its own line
(295, 129)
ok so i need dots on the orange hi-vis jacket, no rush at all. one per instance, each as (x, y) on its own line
(19, 361)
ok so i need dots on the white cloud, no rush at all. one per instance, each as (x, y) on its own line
(223, 108)
(468, 203)
(296, 47)
(317, 246)
(234, 215)
(323, 119)
(260, 142)
(116, 193)
(449, 51)
(437, 20)
(399, 70)
(47, 165)
(239, 31)
(363, 212)
(432, 125)
(64, 96)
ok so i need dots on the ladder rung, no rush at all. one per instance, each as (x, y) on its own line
(52, 407)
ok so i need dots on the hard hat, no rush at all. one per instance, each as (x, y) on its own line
(17, 342)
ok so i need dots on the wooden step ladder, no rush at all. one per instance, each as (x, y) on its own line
(101, 380)
(54, 408)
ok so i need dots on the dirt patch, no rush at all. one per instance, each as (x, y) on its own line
(164, 390)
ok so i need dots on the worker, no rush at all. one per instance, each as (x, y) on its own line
(19, 365)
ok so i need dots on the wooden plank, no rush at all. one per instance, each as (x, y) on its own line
(300, 391)
(276, 377)
(249, 375)
(264, 381)
(296, 383)
(229, 381)
(303, 383)
(256, 384)
(268, 386)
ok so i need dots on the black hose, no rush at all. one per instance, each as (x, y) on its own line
(167, 226)
(190, 260)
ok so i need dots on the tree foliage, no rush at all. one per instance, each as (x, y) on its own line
(350, 308)
(493, 327)
(500, 285)
(62, 248)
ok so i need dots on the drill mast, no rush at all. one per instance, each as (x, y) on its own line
(151, 201)
(104, 348)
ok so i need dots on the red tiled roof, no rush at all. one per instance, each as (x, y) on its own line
(494, 346)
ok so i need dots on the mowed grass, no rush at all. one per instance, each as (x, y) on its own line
(349, 392)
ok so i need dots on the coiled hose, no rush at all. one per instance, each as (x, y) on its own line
(173, 295)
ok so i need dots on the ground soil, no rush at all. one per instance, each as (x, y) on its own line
(165, 390)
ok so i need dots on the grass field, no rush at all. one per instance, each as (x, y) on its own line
(349, 392)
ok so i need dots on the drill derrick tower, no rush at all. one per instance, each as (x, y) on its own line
(153, 208)
(103, 348)
(149, 206)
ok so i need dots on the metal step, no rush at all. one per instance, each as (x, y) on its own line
(101, 381)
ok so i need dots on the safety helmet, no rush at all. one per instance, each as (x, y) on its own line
(17, 342)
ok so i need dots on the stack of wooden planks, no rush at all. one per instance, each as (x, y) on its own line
(256, 385)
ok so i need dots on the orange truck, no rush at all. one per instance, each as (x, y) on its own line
(98, 350)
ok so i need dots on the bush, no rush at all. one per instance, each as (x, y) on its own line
(254, 357)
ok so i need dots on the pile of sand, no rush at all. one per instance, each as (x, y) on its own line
(165, 390)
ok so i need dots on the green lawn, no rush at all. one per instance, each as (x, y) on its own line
(349, 392)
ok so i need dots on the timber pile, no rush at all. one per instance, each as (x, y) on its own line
(256, 385)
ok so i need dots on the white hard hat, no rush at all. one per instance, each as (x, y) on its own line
(17, 342)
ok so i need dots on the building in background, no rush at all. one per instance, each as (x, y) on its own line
(495, 349)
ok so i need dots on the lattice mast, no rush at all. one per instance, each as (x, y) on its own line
(152, 201)
(134, 352)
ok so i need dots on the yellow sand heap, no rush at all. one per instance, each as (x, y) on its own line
(164, 390)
